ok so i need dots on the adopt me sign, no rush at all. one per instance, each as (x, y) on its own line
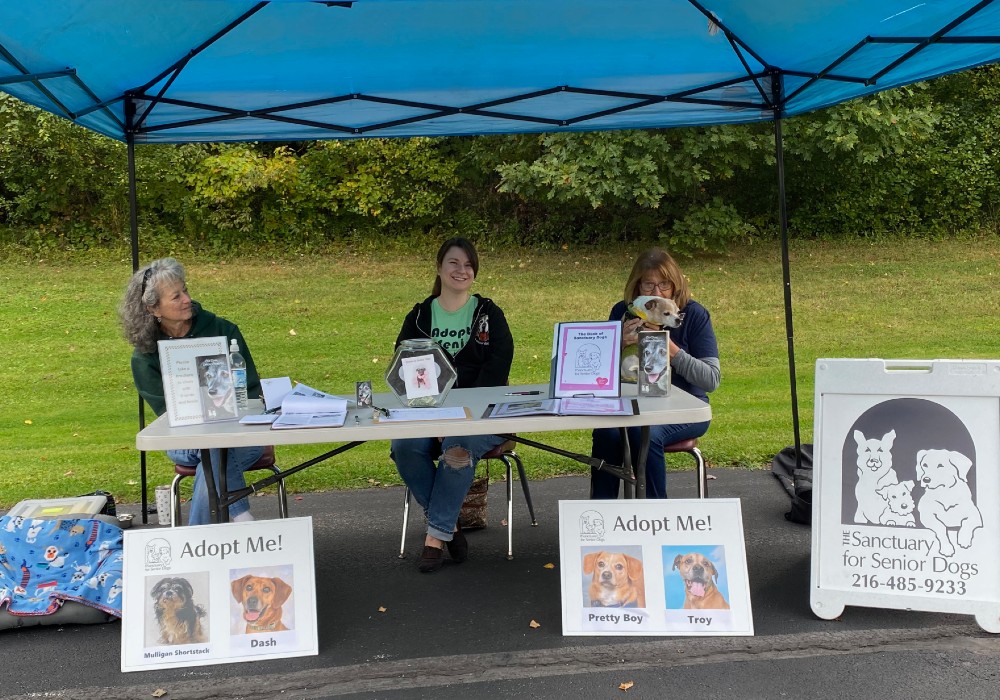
(663, 567)
(906, 487)
(214, 594)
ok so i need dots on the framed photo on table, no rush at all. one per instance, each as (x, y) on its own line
(585, 359)
(197, 384)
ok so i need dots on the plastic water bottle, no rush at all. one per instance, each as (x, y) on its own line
(239, 368)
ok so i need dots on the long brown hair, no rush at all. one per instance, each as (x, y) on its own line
(658, 260)
(457, 242)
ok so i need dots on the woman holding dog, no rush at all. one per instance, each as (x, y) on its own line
(694, 365)
(157, 307)
(474, 332)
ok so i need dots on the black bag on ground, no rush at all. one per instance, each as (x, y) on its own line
(796, 481)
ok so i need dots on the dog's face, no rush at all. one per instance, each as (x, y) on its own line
(613, 572)
(698, 572)
(655, 357)
(874, 455)
(261, 597)
(171, 594)
(942, 468)
(899, 497)
(657, 311)
(213, 374)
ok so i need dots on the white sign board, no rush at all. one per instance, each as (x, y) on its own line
(906, 487)
(663, 567)
(218, 593)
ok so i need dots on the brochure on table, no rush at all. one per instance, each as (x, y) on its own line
(564, 407)
(585, 359)
(247, 589)
(305, 407)
(197, 384)
(906, 491)
(657, 567)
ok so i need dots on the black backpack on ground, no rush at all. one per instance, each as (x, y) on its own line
(796, 481)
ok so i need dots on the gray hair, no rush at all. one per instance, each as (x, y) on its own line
(143, 291)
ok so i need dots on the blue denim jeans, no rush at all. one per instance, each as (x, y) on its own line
(607, 445)
(439, 488)
(237, 460)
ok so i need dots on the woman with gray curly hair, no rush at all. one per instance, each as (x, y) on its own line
(157, 307)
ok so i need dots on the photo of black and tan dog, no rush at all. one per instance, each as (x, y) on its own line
(178, 617)
(616, 580)
(260, 599)
(700, 577)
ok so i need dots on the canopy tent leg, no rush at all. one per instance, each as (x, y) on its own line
(133, 211)
(779, 152)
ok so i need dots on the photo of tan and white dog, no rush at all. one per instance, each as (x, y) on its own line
(947, 500)
(260, 599)
(616, 580)
(700, 577)
(656, 313)
(874, 472)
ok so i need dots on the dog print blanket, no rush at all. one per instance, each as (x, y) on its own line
(46, 562)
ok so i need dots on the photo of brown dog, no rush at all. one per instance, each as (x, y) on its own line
(260, 600)
(615, 580)
(700, 577)
(178, 617)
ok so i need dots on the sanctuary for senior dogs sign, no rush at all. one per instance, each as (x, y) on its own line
(218, 593)
(664, 567)
(906, 487)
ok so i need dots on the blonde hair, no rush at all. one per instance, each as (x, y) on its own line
(658, 260)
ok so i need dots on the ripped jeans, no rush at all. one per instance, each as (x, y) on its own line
(237, 460)
(439, 488)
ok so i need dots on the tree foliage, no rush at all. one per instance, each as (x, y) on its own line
(917, 160)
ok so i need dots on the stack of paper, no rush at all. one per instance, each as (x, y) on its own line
(305, 407)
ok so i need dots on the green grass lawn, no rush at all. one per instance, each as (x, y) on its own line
(68, 409)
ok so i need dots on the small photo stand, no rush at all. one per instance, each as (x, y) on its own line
(585, 359)
(654, 363)
(363, 393)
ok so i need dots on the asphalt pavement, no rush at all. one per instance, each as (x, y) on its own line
(466, 632)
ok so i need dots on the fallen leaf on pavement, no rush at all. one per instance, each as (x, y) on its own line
(158, 693)
(382, 608)
(550, 565)
(626, 685)
(533, 625)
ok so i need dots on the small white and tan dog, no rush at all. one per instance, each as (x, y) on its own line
(947, 500)
(898, 504)
(874, 472)
(656, 313)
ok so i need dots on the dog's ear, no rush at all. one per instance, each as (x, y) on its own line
(237, 587)
(908, 484)
(884, 491)
(859, 438)
(158, 588)
(715, 572)
(634, 568)
(677, 561)
(185, 586)
(962, 463)
(589, 561)
(281, 591)
(888, 439)
(920, 457)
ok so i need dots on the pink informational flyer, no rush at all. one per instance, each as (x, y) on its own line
(585, 358)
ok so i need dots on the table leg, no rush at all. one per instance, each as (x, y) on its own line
(223, 486)
(213, 493)
(627, 486)
(640, 468)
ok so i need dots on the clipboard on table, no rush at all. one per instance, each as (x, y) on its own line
(585, 359)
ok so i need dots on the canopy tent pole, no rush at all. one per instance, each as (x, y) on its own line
(779, 155)
(133, 211)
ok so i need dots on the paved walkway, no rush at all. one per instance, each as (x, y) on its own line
(464, 632)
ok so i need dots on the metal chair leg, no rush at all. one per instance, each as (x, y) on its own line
(524, 486)
(406, 517)
(701, 472)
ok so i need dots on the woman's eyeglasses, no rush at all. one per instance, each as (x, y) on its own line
(650, 287)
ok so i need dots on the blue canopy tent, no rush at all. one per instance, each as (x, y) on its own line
(174, 71)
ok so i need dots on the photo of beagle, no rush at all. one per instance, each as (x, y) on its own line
(260, 599)
(616, 580)
(700, 579)
(178, 617)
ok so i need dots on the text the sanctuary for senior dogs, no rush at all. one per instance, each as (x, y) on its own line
(221, 550)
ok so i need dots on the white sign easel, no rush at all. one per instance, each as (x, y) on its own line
(906, 487)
